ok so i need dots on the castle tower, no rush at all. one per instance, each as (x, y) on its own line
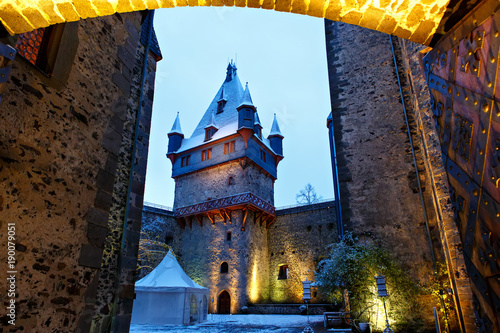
(224, 197)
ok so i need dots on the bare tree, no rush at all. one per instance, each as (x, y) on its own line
(307, 195)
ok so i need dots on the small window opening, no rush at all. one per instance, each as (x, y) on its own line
(247, 114)
(283, 272)
(229, 147)
(206, 154)
(224, 267)
(185, 161)
(262, 155)
(228, 236)
(231, 181)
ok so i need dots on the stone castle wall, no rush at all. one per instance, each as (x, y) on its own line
(65, 143)
(412, 213)
(253, 255)
(213, 183)
(378, 189)
(299, 238)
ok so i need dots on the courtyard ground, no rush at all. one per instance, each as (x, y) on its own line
(240, 324)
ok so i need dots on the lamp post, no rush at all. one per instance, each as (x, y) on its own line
(306, 285)
(382, 292)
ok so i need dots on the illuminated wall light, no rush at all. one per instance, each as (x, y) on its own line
(254, 284)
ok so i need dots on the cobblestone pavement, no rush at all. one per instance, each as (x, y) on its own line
(240, 324)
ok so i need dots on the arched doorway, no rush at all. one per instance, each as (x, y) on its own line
(224, 303)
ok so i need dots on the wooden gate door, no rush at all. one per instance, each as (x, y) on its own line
(224, 303)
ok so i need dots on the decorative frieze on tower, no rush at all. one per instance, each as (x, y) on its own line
(224, 197)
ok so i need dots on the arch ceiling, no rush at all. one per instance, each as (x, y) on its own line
(416, 20)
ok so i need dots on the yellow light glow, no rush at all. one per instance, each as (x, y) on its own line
(411, 19)
(254, 284)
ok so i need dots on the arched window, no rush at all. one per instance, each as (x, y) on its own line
(224, 267)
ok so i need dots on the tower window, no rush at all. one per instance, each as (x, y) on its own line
(224, 268)
(220, 106)
(206, 154)
(263, 155)
(230, 181)
(228, 236)
(229, 147)
(185, 161)
(247, 114)
(283, 272)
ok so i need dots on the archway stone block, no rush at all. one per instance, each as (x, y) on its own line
(410, 19)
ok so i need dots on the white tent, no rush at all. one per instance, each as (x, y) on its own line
(168, 296)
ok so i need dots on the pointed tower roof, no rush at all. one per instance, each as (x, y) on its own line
(231, 91)
(257, 120)
(176, 128)
(275, 129)
(247, 99)
(231, 71)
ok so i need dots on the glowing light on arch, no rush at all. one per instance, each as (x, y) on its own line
(411, 19)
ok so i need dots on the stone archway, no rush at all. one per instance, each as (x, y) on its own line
(224, 303)
(413, 20)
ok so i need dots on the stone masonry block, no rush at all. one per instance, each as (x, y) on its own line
(96, 235)
(132, 30)
(111, 164)
(116, 124)
(121, 81)
(105, 181)
(103, 200)
(119, 108)
(90, 256)
(283, 5)
(111, 141)
(126, 57)
(91, 292)
(97, 217)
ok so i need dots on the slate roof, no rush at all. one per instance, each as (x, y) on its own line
(176, 128)
(275, 128)
(232, 91)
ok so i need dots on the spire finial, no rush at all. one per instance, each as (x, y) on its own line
(176, 128)
(275, 128)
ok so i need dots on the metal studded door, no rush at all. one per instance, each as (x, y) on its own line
(462, 74)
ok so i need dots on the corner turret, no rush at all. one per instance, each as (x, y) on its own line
(175, 137)
(246, 116)
(276, 138)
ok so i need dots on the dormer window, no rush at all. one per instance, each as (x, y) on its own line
(209, 132)
(220, 105)
(258, 131)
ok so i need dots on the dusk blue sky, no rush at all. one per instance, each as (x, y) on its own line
(282, 57)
